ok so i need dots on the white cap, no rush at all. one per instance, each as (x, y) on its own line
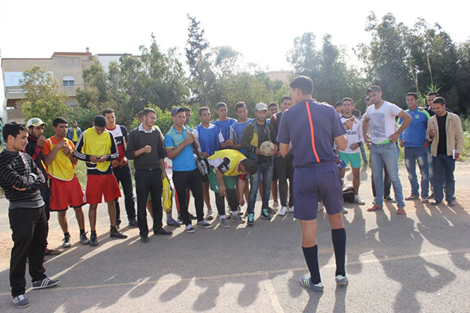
(261, 106)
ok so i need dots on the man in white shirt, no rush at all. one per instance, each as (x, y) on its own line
(384, 151)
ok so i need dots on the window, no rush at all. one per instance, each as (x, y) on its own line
(68, 81)
(12, 79)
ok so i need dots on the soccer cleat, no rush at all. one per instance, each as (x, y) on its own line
(307, 283)
(21, 301)
(341, 280)
(283, 211)
(45, 283)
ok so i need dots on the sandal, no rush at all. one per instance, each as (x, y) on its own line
(374, 208)
(401, 211)
(412, 197)
(52, 252)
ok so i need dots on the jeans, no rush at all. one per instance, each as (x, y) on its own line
(387, 182)
(412, 155)
(444, 167)
(386, 155)
(123, 175)
(285, 171)
(193, 180)
(148, 181)
(29, 227)
(430, 166)
(265, 169)
(364, 154)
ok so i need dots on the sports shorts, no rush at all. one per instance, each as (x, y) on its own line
(353, 158)
(65, 194)
(314, 182)
(98, 186)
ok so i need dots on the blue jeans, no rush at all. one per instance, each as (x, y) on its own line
(363, 154)
(443, 166)
(386, 154)
(412, 155)
(431, 172)
(266, 169)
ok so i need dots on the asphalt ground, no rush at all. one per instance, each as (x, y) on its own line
(414, 263)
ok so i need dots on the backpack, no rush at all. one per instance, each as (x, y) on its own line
(348, 194)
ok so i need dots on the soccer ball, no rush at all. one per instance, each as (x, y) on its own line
(266, 148)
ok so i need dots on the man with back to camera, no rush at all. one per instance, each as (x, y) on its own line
(384, 151)
(21, 180)
(446, 135)
(254, 135)
(121, 168)
(312, 129)
(415, 144)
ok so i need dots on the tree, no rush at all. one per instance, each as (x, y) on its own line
(44, 97)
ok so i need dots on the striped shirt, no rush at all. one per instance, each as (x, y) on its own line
(18, 169)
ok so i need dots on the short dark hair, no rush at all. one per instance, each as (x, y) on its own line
(433, 93)
(219, 105)
(304, 83)
(347, 99)
(13, 129)
(338, 103)
(286, 98)
(146, 111)
(250, 166)
(59, 120)
(439, 100)
(272, 104)
(107, 111)
(373, 88)
(239, 104)
(186, 109)
(99, 121)
(203, 109)
(412, 94)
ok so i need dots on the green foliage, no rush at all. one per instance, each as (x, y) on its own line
(44, 97)
(84, 117)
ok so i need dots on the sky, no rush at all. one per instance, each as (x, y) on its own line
(263, 32)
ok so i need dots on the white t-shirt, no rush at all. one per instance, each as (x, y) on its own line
(354, 134)
(382, 122)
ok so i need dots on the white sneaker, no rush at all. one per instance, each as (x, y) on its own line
(283, 211)
(210, 214)
(275, 204)
(358, 200)
(291, 209)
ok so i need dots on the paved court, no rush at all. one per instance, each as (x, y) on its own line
(414, 263)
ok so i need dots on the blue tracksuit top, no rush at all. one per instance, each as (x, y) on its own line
(415, 134)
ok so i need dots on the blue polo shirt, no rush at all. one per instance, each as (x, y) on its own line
(225, 126)
(295, 128)
(415, 134)
(185, 160)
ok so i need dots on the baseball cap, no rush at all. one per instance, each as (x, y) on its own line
(261, 107)
(36, 122)
(176, 111)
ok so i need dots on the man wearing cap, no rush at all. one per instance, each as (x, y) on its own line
(384, 151)
(147, 150)
(98, 149)
(312, 129)
(36, 141)
(65, 188)
(179, 147)
(254, 135)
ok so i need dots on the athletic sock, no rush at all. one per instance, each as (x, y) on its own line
(223, 216)
(339, 243)
(311, 257)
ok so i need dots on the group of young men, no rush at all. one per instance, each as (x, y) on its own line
(309, 139)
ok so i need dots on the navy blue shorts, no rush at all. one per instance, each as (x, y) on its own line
(313, 182)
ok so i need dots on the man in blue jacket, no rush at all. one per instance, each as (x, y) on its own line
(413, 139)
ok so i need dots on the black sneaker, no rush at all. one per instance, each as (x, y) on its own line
(265, 215)
(133, 222)
(93, 240)
(84, 239)
(161, 231)
(116, 233)
(192, 217)
(21, 301)
(118, 223)
(144, 239)
(45, 283)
